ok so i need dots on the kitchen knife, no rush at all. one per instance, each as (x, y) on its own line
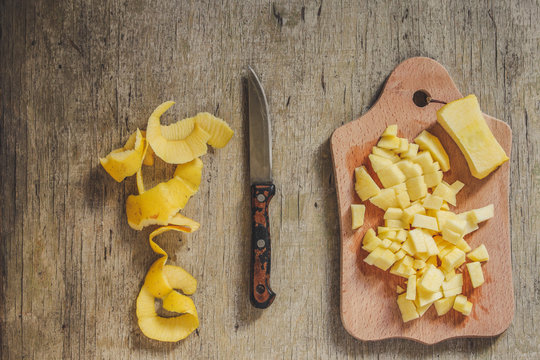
(262, 191)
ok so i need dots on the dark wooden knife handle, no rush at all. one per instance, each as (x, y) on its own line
(260, 293)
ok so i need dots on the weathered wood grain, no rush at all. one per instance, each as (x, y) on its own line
(76, 77)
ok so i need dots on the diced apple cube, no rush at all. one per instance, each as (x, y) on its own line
(357, 212)
(457, 186)
(453, 259)
(422, 256)
(470, 225)
(408, 247)
(386, 243)
(390, 176)
(403, 146)
(426, 222)
(390, 235)
(411, 288)
(403, 268)
(425, 161)
(394, 247)
(479, 254)
(431, 280)
(482, 214)
(364, 185)
(416, 187)
(370, 241)
(452, 292)
(445, 206)
(431, 143)
(430, 168)
(425, 298)
(418, 241)
(385, 154)
(443, 216)
(454, 282)
(408, 213)
(444, 305)
(456, 225)
(395, 224)
(432, 248)
(407, 308)
(399, 289)
(400, 254)
(451, 236)
(383, 229)
(385, 199)
(462, 305)
(444, 191)
(381, 258)
(378, 162)
(475, 273)
(432, 202)
(433, 179)
(422, 309)
(412, 151)
(463, 245)
(399, 187)
(401, 235)
(409, 169)
(391, 130)
(449, 275)
(403, 200)
(388, 142)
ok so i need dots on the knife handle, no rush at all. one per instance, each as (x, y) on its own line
(261, 295)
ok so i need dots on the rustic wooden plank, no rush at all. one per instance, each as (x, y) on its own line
(77, 77)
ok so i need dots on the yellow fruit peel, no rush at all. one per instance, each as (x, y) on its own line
(159, 283)
(126, 161)
(160, 205)
(219, 130)
(190, 172)
(157, 205)
(177, 143)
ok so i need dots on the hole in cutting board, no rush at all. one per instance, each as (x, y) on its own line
(421, 98)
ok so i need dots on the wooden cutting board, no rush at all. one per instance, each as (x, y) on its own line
(368, 295)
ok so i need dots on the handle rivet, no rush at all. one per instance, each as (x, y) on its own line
(260, 243)
(260, 197)
(260, 288)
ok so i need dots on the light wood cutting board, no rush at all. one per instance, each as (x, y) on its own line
(368, 295)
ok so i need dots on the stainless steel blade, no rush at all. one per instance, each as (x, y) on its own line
(260, 136)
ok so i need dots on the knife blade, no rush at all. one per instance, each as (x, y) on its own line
(262, 191)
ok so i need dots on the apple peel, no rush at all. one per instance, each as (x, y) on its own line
(159, 283)
(126, 161)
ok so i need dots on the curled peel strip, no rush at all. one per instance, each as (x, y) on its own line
(160, 204)
(126, 161)
(159, 283)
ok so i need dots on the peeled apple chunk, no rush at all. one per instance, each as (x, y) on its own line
(159, 283)
(464, 122)
(431, 143)
(421, 240)
(126, 161)
(177, 143)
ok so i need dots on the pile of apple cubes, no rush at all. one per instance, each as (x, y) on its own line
(422, 240)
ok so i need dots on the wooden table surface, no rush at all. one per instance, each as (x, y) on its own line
(77, 77)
